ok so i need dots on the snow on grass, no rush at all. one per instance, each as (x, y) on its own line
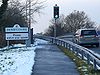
(39, 41)
(19, 45)
(17, 61)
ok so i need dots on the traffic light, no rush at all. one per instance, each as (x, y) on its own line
(56, 11)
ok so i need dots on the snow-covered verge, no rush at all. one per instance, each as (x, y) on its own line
(17, 61)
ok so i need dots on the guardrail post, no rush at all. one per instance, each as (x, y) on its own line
(77, 51)
(73, 48)
(94, 64)
(62, 43)
(82, 53)
(70, 47)
(59, 42)
(55, 41)
(52, 40)
(65, 44)
(88, 59)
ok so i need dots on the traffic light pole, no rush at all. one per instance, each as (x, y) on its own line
(55, 29)
(56, 16)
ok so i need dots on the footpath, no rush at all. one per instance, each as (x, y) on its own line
(50, 60)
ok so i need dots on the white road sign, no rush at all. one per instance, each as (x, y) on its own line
(16, 28)
(16, 33)
(16, 36)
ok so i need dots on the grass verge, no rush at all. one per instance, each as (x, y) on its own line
(82, 66)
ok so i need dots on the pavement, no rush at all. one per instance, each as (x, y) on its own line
(50, 60)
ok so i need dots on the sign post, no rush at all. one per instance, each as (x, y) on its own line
(8, 44)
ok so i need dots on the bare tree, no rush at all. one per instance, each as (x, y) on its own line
(9, 19)
(23, 7)
(70, 23)
(50, 31)
(59, 27)
(76, 20)
(18, 12)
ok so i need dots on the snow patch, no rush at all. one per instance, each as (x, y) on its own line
(18, 61)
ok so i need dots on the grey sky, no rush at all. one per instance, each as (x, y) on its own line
(90, 7)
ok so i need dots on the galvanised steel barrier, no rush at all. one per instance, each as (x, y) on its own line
(82, 52)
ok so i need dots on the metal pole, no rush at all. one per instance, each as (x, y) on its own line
(30, 14)
(26, 10)
(56, 16)
(55, 29)
(29, 25)
(8, 44)
(30, 20)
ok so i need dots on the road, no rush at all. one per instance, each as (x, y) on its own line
(95, 49)
(50, 60)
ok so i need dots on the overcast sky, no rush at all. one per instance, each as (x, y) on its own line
(90, 7)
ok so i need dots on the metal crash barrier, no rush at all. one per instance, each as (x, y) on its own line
(82, 52)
